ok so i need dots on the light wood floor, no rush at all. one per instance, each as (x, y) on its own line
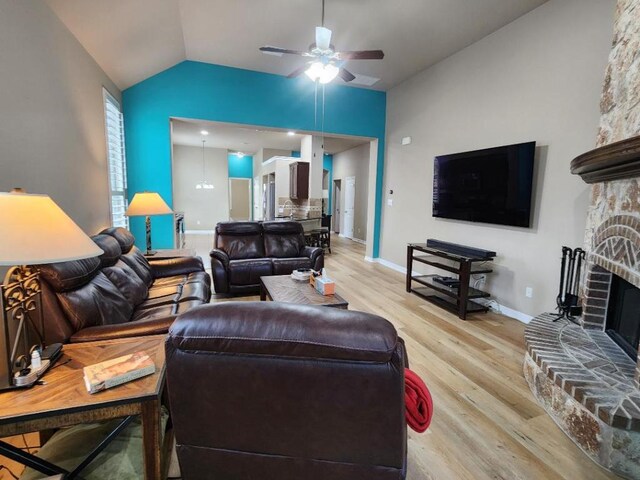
(486, 424)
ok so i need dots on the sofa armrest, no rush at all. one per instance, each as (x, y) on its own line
(168, 267)
(155, 326)
(219, 270)
(316, 255)
(221, 256)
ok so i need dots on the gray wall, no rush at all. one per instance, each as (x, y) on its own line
(202, 208)
(52, 133)
(539, 78)
(354, 163)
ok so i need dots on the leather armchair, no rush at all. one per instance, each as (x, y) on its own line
(120, 294)
(286, 392)
(245, 251)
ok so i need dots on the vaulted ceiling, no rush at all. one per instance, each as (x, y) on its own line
(135, 39)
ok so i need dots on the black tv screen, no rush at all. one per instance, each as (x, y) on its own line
(489, 186)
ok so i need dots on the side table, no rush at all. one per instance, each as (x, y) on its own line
(63, 401)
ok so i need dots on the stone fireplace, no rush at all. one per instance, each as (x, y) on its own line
(581, 373)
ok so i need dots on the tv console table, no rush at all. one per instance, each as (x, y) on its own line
(458, 300)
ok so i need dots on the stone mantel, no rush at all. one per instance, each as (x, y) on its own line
(615, 161)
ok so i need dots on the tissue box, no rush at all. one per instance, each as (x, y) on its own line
(325, 286)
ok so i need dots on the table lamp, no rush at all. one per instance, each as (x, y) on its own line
(147, 204)
(34, 231)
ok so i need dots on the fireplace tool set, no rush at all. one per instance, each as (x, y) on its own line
(570, 270)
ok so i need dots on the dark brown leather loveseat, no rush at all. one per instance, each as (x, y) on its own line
(119, 294)
(286, 392)
(245, 251)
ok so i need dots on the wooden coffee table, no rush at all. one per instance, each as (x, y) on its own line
(63, 401)
(283, 288)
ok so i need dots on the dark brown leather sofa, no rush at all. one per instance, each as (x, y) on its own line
(120, 294)
(286, 392)
(245, 251)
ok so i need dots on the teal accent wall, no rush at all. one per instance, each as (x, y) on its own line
(213, 92)
(240, 167)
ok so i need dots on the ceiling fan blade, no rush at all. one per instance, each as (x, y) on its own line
(298, 71)
(361, 55)
(280, 51)
(323, 38)
(346, 75)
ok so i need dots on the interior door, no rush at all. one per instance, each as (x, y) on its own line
(239, 199)
(349, 206)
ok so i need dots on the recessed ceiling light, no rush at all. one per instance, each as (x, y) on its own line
(291, 134)
(204, 132)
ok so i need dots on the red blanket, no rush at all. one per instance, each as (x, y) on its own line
(418, 402)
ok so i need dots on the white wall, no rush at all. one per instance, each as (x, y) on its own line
(354, 163)
(203, 209)
(539, 78)
(52, 133)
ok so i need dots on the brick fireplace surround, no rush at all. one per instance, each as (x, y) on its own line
(582, 378)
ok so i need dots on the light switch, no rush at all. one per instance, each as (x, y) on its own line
(406, 140)
(390, 202)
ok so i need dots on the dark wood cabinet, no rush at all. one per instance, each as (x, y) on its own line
(299, 180)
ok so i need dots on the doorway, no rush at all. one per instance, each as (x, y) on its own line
(335, 219)
(349, 206)
(239, 199)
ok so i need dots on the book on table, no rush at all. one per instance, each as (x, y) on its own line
(117, 371)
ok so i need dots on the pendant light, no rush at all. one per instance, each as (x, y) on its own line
(203, 185)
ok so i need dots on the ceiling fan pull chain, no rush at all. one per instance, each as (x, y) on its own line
(315, 106)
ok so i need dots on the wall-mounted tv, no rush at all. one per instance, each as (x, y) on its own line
(490, 186)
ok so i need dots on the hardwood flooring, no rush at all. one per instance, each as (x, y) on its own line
(486, 424)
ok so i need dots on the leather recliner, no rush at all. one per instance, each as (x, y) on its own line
(286, 392)
(119, 294)
(245, 251)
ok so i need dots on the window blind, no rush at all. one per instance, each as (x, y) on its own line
(116, 159)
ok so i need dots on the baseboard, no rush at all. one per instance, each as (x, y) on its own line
(494, 305)
(357, 240)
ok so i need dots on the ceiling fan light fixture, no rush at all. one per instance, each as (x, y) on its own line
(323, 38)
(314, 71)
(329, 72)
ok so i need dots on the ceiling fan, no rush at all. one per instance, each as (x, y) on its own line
(325, 63)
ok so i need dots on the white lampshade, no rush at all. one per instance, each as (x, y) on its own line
(147, 203)
(35, 230)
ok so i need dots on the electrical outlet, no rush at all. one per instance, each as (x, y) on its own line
(528, 292)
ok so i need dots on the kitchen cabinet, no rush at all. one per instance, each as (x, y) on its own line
(299, 180)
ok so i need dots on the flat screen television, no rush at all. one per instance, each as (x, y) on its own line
(490, 186)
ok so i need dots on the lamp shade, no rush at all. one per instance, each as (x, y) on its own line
(147, 203)
(35, 230)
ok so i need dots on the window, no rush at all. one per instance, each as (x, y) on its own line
(117, 162)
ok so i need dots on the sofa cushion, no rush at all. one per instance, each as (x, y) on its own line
(110, 247)
(125, 279)
(99, 302)
(284, 266)
(168, 291)
(195, 291)
(66, 276)
(135, 259)
(122, 235)
(283, 239)
(240, 240)
(170, 281)
(163, 311)
(248, 272)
